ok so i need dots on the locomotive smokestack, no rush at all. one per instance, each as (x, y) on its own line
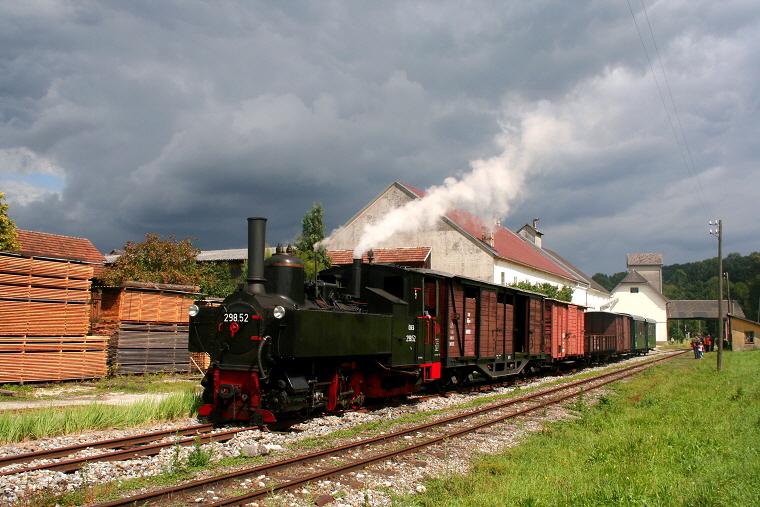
(257, 229)
(357, 277)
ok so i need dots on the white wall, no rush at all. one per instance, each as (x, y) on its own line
(646, 303)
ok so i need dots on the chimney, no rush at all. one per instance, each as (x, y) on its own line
(257, 228)
(537, 239)
(487, 237)
(357, 277)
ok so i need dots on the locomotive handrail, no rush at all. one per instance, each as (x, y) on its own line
(263, 374)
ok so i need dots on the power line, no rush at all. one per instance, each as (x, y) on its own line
(690, 169)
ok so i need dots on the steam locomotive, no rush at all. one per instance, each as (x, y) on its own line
(282, 344)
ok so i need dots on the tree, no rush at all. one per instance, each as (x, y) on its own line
(157, 259)
(167, 260)
(609, 282)
(8, 241)
(312, 233)
(562, 294)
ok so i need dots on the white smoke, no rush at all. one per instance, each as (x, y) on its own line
(487, 190)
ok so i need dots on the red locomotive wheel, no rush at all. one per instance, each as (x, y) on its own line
(356, 384)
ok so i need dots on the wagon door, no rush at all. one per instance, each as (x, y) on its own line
(535, 327)
(575, 324)
(505, 316)
(489, 324)
(455, 342)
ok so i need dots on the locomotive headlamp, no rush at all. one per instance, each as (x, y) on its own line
(194, 310)
(278, 312)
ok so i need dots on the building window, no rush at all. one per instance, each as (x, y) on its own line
(503, 278)
(634, 290)
(749, 337)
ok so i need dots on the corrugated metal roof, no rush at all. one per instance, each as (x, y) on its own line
(701, 309)
(410, 255)
(231, 254)
(644, 259)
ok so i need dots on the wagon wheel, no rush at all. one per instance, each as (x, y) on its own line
(304, 413)
(356, 384)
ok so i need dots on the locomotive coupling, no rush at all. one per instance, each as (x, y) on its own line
(227, 391)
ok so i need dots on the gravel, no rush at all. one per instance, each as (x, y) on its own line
(372, 486)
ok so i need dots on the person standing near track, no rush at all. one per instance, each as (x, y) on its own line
(694, 342)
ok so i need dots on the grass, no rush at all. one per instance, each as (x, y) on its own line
(149, 383)
(54, 421)
(680, 434)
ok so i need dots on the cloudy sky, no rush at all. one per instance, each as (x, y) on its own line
(185, 117)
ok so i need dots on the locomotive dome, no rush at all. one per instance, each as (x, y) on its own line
(284, 274)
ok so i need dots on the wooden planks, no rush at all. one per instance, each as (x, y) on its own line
(144, 306)
(36, 359)
(44, 320)
(140, 347)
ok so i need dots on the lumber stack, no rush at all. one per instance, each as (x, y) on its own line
(44, 320)
(140, 347)
(148, 327)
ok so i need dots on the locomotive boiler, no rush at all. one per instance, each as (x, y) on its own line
(283, 344)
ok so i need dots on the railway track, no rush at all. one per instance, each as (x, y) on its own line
(295, 472)
(122, 449)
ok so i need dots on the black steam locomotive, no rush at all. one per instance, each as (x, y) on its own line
(283, 344)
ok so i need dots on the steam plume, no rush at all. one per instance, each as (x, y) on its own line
(486, 190)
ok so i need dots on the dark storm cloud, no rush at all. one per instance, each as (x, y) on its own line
(120, 119)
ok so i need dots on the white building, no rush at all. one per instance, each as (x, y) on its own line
(637, 293)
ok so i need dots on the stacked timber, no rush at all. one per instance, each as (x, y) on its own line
(148, 327)
(44, 321)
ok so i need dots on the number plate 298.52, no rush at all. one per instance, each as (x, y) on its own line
(236, 317)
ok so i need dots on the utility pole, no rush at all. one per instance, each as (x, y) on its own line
(728, 294)
(719, 234)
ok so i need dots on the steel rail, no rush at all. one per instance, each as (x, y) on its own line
(340, 470)
(146, 450)
(101, 444)
(202, 483)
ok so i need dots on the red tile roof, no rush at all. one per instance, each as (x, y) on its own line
(506, 244)
(417, 256)
(53, 246)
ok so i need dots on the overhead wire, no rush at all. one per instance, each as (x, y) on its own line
(693, 175)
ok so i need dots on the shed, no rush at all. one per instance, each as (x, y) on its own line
(744, 334)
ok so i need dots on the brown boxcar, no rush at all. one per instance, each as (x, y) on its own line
(607, 333)
(563, 330)
(493, 330)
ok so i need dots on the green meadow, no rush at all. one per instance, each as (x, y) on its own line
(680, 434)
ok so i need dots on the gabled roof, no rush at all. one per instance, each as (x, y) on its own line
(406, 255)
(644, 259)
(635, 278)
(701, 309)
(53, 246)
(580, 274)
(506, 244)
